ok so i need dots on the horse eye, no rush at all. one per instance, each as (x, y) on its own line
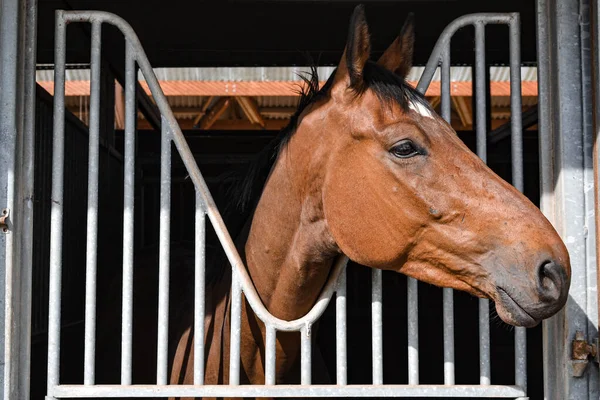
(405, 149)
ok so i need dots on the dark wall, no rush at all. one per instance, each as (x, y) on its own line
(209, 33)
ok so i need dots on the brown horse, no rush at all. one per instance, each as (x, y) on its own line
(369, 170)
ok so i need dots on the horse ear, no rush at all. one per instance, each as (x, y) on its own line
(399, 56)
(358, 49)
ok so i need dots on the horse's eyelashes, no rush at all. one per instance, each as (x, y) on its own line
(405, 149)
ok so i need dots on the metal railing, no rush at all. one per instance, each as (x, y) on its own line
(205, 206)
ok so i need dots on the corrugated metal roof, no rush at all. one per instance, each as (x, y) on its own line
(282, 74)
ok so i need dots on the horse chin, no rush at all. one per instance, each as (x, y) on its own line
(511, 312)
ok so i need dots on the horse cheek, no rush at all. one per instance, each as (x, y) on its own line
(355, 216)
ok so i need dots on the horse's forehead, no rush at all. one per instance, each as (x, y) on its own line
(420, 109)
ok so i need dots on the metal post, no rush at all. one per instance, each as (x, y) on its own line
(199, 291)
(377, 325)
(270, 355)
(412, 288)
(20, 379)
(448, 294)
(92, 210)
(236, 330)
(481, 131)
(56, 217)
(164, 256)
(17, 128)
(341, 331)
(305, 356)
(128, 216)
(566, 158)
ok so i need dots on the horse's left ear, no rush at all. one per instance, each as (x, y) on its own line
(399, 56)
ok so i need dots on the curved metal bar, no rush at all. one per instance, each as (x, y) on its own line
(449, 31)
(192, 167)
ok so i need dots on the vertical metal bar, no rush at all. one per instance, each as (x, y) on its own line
(92, 210)
(341, 331)
(517, 171)
(445, 83)
(590, 180)
(480, 86)
(305, 356)
(551, 354)
(236, 330)
(377, 326)
(199, 290)
(128, 215)
(270, 355)
(448, 294)
(448, 307)
(515, 103)
(480, 101)
(164, 255)
(412, 288)
(56, 216)
(593, 284)
(27, 176)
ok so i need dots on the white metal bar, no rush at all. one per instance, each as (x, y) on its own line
(305, 356)
(413, 330)
(377, 325)
(448, 294)
(341, 331)
(270, 355)
(164, 255)
(20, 380)
(297, 391)
(448, 307)
(236, 330)
(481, 129)
(517, 172)
(56, 216)
(128, 217)
(92, 210)
(199, 291)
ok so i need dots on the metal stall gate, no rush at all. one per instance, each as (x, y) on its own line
(205, 206)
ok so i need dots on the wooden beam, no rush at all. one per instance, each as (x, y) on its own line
(434, 101)
(250, 109)
(215, 112)
(227, 125)
(463, 109)
(202, 111)
(278, 112)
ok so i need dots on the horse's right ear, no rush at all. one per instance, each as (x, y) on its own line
(357, 51)
(399, 56)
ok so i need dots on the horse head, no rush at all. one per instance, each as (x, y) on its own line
(400, 190)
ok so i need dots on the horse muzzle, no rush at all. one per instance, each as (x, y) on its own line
(527, 306)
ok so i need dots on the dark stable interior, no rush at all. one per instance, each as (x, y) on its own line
(258, 33)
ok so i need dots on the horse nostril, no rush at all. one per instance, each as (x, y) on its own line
(551, 280)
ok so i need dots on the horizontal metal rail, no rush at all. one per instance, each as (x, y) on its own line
(73, 391)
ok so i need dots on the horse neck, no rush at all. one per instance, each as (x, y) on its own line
(290, 251)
